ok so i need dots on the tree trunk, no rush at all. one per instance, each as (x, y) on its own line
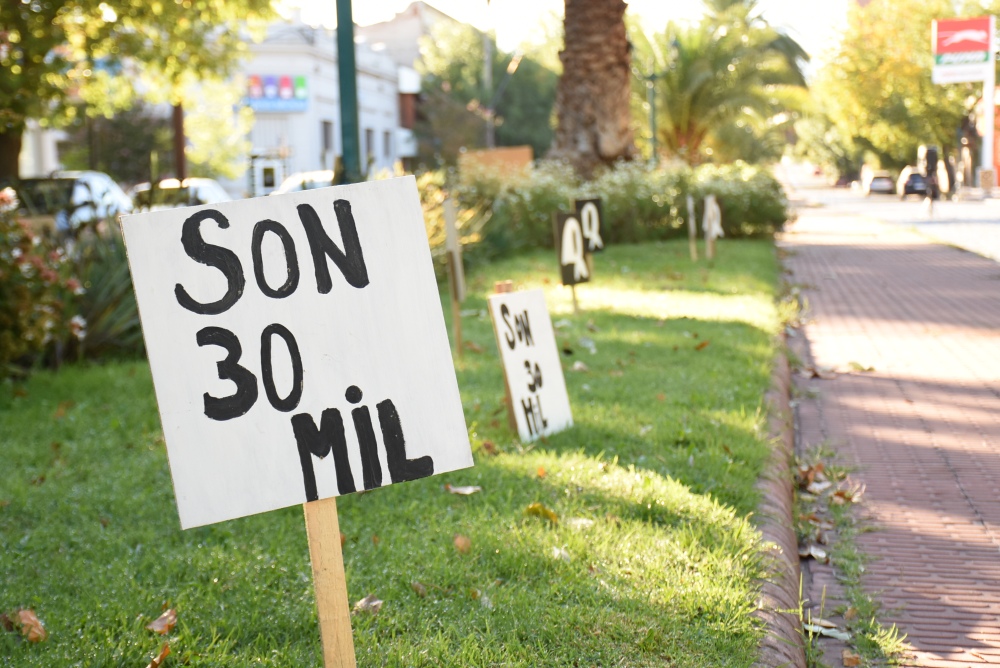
(10, 154)
(592, 100)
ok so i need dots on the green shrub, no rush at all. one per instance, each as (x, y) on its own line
(500, 214)
(108, 303)
(37, 288)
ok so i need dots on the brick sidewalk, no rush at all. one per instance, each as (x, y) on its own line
(922, 429)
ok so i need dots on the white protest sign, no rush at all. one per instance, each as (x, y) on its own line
(588, 212)
(284, 329)
(531, 364)
(572, 249)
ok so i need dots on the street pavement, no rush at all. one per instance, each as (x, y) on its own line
(913, 328)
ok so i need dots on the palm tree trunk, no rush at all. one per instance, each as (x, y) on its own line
(10, 153)
(592, 100)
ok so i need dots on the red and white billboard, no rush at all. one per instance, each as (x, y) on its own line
(959, 35)
(963, 49)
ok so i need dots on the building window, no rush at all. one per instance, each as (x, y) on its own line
(369, 143)
(387, 144)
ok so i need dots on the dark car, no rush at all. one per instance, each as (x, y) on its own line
(68, 202)
(915, 184)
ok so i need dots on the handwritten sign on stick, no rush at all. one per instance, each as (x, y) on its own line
(298, 347)
(531, 364)
(589, 213)
(572, 249)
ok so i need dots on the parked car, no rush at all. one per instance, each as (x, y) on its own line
(67, 202)
(913, 183)
(306, 181)
(880, 182)
(170, 193)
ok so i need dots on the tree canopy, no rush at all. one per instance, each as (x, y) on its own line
(875, 95)
(727, 86)
(61, 58)
(456, 100)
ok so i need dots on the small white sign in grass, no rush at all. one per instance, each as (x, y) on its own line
(298, 347)
(531, 363)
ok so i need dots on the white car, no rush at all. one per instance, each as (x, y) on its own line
(170, 193)
(306, 181)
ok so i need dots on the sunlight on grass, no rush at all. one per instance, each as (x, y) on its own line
(653, 560)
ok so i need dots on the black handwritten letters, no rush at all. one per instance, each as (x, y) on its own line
(330, 436)
(518, 333)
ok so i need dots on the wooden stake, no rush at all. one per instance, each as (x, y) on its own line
(330, 583)
(692, 230)
(456, 305)
(576, 304)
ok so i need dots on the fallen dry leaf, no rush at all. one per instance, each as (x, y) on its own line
(61, 409)
(159, 658)
(419, 588)
(489, 447)
(831, 632)
(539, 510)
(817, 487)
(473, 346)
(561, 554)
(165, 623)
(661, 397)
(849, 658)
(814, 551)
(851, 614)
(463, 491)
(462, 543)
(702, 345)
(31, 626)
(375, 539)
(370, 604)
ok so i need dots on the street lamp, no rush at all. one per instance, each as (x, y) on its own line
(650, 80)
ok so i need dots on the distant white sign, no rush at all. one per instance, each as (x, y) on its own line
(281, 330)
(531, 364)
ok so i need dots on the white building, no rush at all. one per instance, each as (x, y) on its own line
(293, 87)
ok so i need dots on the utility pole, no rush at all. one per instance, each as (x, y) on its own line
(347, 73)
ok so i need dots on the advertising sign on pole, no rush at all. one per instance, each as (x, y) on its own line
(964, 52)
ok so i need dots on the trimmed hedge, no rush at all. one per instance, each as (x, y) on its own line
(500, 214)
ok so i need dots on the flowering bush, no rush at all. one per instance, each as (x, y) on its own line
(36, 291)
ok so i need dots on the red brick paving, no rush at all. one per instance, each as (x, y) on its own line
(922, 428)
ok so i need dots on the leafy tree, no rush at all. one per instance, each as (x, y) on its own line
(728, 87)
(58, 57)
(876, 89)
(592, 99)
(455, 99)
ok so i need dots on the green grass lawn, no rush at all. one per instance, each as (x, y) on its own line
(653, 561)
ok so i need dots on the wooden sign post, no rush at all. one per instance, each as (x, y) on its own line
(456, 271)
(333, 606)
(532, 371)
(299, 352)
(692, 229)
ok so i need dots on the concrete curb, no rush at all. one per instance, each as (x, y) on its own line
(778, 607)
